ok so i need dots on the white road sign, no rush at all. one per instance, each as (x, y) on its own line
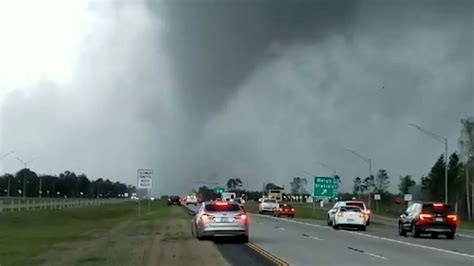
(408, 197)
(376, 196)
(144, 178)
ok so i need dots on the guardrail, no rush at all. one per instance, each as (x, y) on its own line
(11, 205)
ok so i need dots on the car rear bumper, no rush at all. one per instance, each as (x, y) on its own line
(436, 228)
(224, 232)
(285, 213)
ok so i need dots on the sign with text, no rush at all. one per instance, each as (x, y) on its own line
(324, 186)
(376, 196)
(145, 178)
(408, 197)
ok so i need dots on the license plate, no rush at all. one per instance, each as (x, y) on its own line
(350, 220)
(223, 220)
(439, 219)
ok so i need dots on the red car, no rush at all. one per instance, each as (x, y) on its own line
(285, 210)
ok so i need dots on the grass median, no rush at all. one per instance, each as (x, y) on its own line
(302, 210)
(27, 235)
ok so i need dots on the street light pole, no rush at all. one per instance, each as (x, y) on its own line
(445, 142)
(25, 164)
(327, 167)
(367, 160)
(9, 178)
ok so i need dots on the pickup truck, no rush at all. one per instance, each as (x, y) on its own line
(268, 205)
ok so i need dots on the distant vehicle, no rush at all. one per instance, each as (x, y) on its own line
(428, 218)
(191, 199)
(240, 201)
(268, 205)
(214, 219)
(228, 196)
(349, 216)
(174, 200)
(357, 203)
(134, 197)
(285, 210)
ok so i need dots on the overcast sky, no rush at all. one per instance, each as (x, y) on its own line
(205, 90)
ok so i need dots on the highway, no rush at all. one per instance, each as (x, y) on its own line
(310, 242)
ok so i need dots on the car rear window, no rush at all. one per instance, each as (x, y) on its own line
(270, 201)
(222, 207)
(285, 206)
(437, 208)
(358, 204)
(349, 209)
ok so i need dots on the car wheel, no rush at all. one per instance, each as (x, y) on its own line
(336, 227)
(414, 232)
(368, 222)
(434, 235)
(278, 215)
(362, 228)
(401, 231)
(292, 216)
(450, 235)
(329, 221)
(244, 239)
(260, 212)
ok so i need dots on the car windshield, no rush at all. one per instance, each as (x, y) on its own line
(437, 208)
(349, 209)
(357, 204)
(111, 109)
(222, 207)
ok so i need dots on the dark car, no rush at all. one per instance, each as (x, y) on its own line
(428, 218)
(285, 210)
(174, 200)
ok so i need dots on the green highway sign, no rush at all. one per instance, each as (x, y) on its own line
(324, 187)
(219, 190)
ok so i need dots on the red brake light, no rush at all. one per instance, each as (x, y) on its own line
(453, 217)
(243, 216)
(438, 204)
(425, 216)
(280, 209)
(221, 203)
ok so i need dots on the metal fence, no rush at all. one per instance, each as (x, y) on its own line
(11, 205)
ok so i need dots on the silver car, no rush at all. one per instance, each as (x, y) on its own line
(214, 219)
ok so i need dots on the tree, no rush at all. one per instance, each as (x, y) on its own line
(382, 182)
(298, 185)
(456, 189)
(369, 184)
(358, 186)
(433, 184)
(466, 150)
(234, 183)
(405, 183)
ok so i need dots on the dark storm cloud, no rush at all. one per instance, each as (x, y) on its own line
(204, 90)
(216, 45)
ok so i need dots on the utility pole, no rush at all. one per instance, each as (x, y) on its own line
(369, 161)
(446, 159)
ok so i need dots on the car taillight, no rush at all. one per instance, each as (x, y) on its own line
(292, 209)
(341, 214)
(280, 209)
(438, 205)
(453, 217)
(425, 216)
(361, 215)
(206, 217)
(221, 203)
(367, 212)
(242, 216)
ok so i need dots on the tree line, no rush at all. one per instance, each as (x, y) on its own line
(67, 184)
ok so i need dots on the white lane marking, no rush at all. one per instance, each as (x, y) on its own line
(375, 255)
(392, 240)
(312, 237)
(467, 236)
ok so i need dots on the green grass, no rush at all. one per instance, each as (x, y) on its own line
(25, 235)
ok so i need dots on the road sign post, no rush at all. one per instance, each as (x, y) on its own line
(377, 198)
(144, 180)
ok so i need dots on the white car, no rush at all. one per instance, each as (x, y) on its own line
(354, 203)
(191, 199)
(349, 216)
(268, 205)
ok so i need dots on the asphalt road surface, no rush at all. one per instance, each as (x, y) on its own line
(311, 242)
